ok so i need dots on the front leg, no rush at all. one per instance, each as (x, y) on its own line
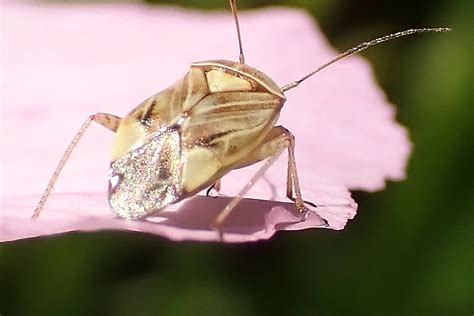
(109, 121)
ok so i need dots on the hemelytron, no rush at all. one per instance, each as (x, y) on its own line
(221, 116)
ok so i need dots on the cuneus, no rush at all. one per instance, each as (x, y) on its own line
(221, 116)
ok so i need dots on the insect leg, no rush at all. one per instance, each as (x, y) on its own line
(214, 189)
(278, 139)
(109, 121)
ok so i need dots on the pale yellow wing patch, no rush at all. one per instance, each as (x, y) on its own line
(220, 81)
(130, 135)
(200, 168)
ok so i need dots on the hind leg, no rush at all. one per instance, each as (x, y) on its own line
(277, 140)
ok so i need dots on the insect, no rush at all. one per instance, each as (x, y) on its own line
(221, 116)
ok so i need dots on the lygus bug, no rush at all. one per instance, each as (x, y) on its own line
(221, 116)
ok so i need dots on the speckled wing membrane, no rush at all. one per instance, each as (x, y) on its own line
(147, 179)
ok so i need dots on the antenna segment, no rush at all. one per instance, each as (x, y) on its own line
(361, 47)
(233, 6)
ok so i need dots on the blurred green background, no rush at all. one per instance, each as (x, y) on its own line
(409, 251)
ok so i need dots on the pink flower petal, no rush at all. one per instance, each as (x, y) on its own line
(63, 63)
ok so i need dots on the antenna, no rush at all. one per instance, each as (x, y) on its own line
(361, 47)
(233, 7)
